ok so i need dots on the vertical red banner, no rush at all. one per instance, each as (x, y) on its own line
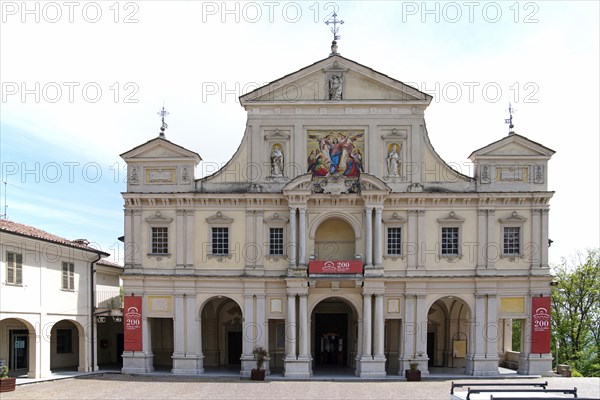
(132, 322)
(540, 325)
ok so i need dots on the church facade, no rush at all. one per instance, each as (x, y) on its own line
(336, 237)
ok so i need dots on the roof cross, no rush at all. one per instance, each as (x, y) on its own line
(333, 20)
(163, 113)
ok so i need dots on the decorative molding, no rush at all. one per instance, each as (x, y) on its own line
(514, 218)
(395, 219)
(452, 218)
(276, 219)
(219, 219)
(158, 219)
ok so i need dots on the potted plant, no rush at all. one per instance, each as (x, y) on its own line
(414, 373)
(260, 355)
(6, 384)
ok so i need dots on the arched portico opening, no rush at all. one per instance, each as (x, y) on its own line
(334, 334)
(17, 347)
(448, 333)
(335, 240)
(67, 346)
(222, 333)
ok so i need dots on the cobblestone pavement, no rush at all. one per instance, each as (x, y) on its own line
(116, 386)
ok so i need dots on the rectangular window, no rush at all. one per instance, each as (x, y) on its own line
(450, 242)
(14, 268)
(68, 276)
(394, 241)
(512, 240)
(276, 241)
(64, 341)
(160, 240)
(220, 240)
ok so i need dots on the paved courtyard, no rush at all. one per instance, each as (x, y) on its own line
(116, 386)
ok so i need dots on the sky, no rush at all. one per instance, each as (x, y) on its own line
(82, 82)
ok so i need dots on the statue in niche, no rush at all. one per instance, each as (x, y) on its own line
(277, 161)
(393, 160)
(336, 83)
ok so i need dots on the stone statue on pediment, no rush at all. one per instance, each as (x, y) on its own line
(336, 83)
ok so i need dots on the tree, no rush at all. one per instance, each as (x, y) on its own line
(576, 312)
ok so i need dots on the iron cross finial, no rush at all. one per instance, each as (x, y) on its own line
(163, 113)
(333, 20)
(509, 120)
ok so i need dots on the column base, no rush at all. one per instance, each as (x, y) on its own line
(374, 271)
(187, 364)
(534, 364)
(248, 364)
(369, 367)
(482, 366)
(137, 362)
(297, 368)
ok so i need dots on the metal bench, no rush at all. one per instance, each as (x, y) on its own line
(543, 385)
(521, 391)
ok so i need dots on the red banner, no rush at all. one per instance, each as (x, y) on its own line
(132, 323)
(540, 325)
(335, 267)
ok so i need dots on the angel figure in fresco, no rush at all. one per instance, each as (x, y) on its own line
(354, 164)
(276, 161)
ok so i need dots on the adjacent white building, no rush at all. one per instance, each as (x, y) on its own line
(336, 237)
(47, 301)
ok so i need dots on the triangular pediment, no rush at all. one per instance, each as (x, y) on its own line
(312, 84)
(513, 146)
(160, 149)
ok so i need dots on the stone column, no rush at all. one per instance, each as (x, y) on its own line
(544, 243)
(189, 246)
(248, 336)
(412, 246)
(302, 238)
(179, 239)
(421, 336)
(409, 332)
(492, 331)
(128, 254)
(261, 321)
(135, 241)
(261, 248)
(193, 336)
(536, 238)
(185, 354)
(421, 240)
(491, 240)
(378, 328)
(368, 237)
(367, 341)
(293, 246)
(250, 250)
(303, 332)
(290, 331)
(378, 251)
(481, 238)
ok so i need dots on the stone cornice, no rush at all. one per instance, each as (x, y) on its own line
(539, 200)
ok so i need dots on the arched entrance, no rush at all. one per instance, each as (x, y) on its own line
(335, 240)
(448, 333)
(334, 336)
(67, 346)
(17, 347)
(222, 333)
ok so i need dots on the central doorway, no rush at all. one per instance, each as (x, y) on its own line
(334, 336)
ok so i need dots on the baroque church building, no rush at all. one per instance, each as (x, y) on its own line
(335, 237)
